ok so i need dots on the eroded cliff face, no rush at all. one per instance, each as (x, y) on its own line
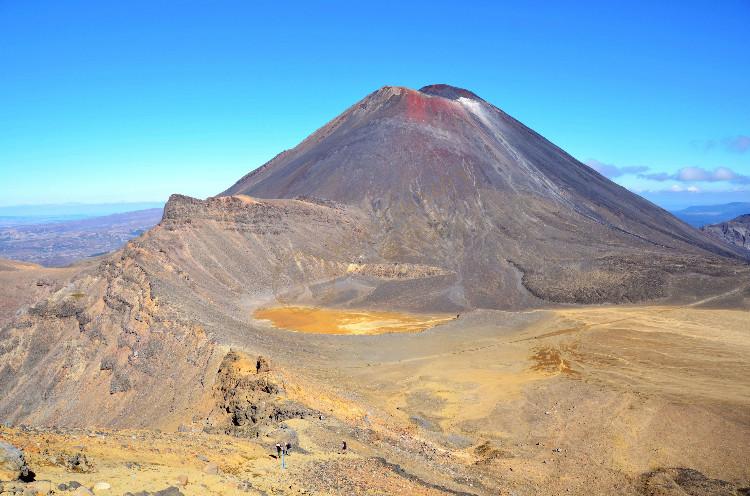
(101, 351)
(23, 284)
(138, 339)
(735, 232)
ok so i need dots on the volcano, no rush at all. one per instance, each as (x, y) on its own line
(448, 180)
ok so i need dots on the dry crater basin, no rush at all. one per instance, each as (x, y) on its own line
(316, 320)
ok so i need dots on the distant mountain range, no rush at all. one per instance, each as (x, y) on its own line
(36, 238)
(17, 215)
(701, 215)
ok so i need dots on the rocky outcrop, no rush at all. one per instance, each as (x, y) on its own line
(395, 270)
(22, 284)
(13, 464)
(619, 279)
(736, 232)
(679, 481)
(102, 350)
(249, 398)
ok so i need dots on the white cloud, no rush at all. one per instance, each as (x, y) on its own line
(610, 170)
(678, 188)
(696, 174)
(724, 174)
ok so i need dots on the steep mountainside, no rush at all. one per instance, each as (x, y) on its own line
(735, 232)
(450, 180)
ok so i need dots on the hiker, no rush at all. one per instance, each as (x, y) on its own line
(343, 445)
(278, 450)
(288, 448)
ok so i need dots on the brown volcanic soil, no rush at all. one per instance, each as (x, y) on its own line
(524, 392)
(579, 401)
(354, 322)
(23, 283)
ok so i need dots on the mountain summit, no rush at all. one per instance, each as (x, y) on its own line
(449, 180)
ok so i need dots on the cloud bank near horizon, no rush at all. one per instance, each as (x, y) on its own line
(685, 175)
(699, 174)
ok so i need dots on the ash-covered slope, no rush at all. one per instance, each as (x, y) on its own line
(449, 180)
(735, 232)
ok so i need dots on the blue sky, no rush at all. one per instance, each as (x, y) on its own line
(132, 101)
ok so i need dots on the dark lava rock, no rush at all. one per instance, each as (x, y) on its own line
(170, 491)
(681, 481)
(77, 463)
(120, 383)
(262, 365)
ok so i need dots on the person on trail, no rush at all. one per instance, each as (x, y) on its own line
(288, 448)
(343, 445)
(278, 450)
